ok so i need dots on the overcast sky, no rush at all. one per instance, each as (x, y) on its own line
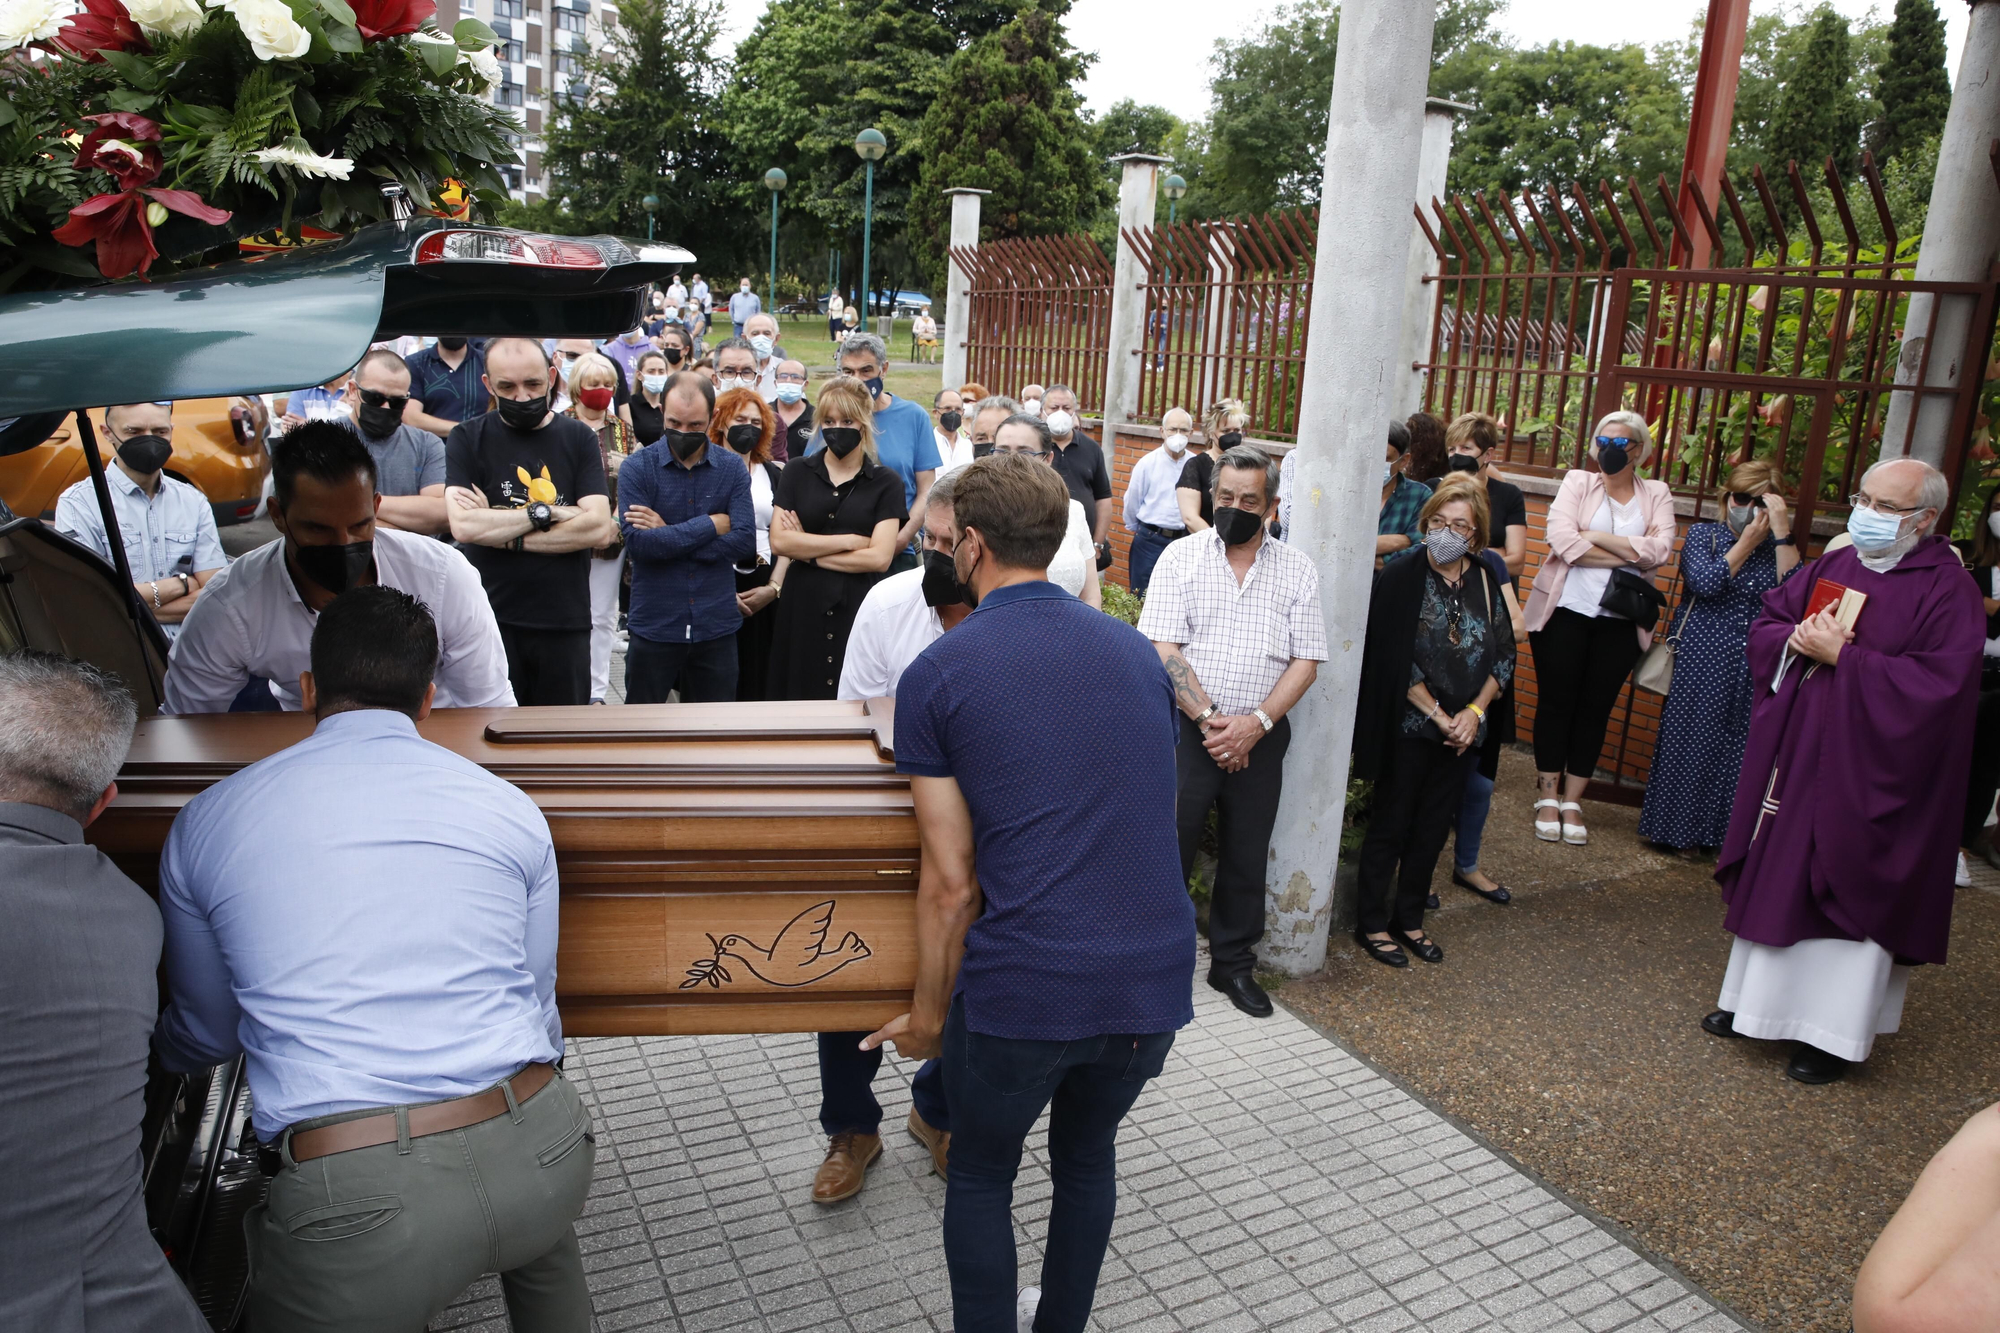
(1163, 57)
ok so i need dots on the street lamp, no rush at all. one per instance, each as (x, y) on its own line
(651, 203)
(774, 181)
(871, 146)
(1174, 187)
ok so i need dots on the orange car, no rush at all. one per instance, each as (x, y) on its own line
(218, 449)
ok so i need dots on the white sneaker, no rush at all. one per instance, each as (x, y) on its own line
(1964, 880)
(1025, 1305)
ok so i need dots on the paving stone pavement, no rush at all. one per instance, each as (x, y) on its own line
(1268, 1180)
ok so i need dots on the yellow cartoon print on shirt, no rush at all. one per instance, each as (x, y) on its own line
(540, 489)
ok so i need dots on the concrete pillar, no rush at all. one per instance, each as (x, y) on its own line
(1961, 241)
(1374, 140)
(1420, 297)
(1138, 197)
(958, 283)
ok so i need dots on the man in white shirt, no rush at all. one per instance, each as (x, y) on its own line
(167, 526)
(698, 293)
(741, 306)
(947, 417)
(1152, 504)
(677, 293)
(256, 618)
(761, 329)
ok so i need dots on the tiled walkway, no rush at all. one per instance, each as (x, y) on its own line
(1268, 1181)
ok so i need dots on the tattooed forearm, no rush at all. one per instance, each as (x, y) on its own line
(1188, 693)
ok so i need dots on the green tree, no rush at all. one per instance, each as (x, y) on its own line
(645, 125)
(1567, 113)
(1129, 127)
(1819, 113)
(1013, 125)
(1911, 85)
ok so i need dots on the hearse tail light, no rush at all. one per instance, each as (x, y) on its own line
(495, 247)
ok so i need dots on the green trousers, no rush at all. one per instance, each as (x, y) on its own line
(382, 1239)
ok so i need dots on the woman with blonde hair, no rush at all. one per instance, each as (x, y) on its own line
(745, 425)
(593, 384)
(1591, 611)
(1221, 430)
(835, 515)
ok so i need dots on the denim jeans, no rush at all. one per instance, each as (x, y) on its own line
(704, 673)
(847, 1102)
(998, 1087)
(1147, 546)
(1472, 808)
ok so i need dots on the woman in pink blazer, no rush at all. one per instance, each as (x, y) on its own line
(1599, 522)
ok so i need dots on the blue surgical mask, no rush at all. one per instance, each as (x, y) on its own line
(1388, 473)
(653, 383)
(791, 393)
(1873, 530)
(761, 344)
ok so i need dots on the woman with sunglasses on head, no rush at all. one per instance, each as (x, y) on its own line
(1608, 529)
(1438, 652)
(1726, 568)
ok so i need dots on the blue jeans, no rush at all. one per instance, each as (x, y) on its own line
(1147, 544)
(999, 1086)
(847, 1102)
(704, 673)
(1472, 808)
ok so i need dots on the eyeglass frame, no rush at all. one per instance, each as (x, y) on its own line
(1438, 524)
(1860, 501)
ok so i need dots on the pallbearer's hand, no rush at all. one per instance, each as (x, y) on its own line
(910, 1043)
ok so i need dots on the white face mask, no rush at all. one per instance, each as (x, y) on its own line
(1993, 523)
(1177, 444)
(1061, 422)
(1033, 407)
(1388, 473)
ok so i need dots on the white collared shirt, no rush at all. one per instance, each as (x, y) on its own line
(892, 626)
(1150, 496)
(249, 621)
(1238, 637)
(953, 450)
(170, 532)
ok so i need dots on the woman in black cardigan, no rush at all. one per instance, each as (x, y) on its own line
(1440, 649)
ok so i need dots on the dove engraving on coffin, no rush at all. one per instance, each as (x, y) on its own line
(799, 956)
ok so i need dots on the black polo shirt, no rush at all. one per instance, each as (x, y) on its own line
(795, 435)
(1083, 471)
(455, 394)
(1198, 474)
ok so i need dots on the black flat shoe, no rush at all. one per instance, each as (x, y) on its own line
(1721, 1023)
(1812, 1065)
(1382, 951)
(1421, 945)
(1431, 904)
(1499, 894)
(1244, 993)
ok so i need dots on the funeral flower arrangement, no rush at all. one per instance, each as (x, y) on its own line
(137, 135)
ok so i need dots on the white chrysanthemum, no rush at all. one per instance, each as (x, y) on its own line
(434, 38)
(303, 160)
(485, 65)
(25, 21)
(274, 34)
(170, 18)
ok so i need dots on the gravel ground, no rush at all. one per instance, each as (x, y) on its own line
(1564, 1028)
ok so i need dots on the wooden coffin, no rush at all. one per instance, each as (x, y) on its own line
(725, 867)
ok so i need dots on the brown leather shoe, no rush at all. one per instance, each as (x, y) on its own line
(936, 1141)
(845, 1170)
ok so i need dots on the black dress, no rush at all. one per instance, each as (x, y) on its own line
(817, 608)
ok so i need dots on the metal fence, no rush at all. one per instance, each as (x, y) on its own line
(1226, 306)
(1040, 313)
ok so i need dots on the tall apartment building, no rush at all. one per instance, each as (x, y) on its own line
(541, 42)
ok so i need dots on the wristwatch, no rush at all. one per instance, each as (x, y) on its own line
(1263, 717)
(541, 516)
(1786, 540)
(1205, 714)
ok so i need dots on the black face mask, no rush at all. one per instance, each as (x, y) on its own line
(379, 419)
(940, 581)
(524, 413)
(1229, 439)
(981, 450)
(874, 388)
(145, 453)
(1236, 526)
(452, 344)
(842, 440)
(965, 592)
(685, 443)
(673, 355)
(949, 422)
(744, 438)
(1612, 459)
(336, 568)
(1462, 463)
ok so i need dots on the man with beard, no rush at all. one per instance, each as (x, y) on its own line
(409, 461)
(167, 526)
(256, 618)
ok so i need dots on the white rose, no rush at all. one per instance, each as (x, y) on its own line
(25, 21)
(485, 65)
(274, 34)
(171, 18)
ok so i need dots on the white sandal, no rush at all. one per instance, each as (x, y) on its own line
(1549, 832)
(1576, 835)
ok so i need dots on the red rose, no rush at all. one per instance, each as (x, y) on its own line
(104, 26)
(117, 222)
(390, 18)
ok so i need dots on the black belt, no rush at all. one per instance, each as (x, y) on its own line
(1171, 534)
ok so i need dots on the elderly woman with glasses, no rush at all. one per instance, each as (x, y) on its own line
(1608, 529)
(1726, 568)
(1439, 650)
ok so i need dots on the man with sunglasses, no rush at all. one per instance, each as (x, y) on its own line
(409, 461)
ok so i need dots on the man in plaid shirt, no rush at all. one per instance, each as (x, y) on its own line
(1402, 499)
(1235, 616)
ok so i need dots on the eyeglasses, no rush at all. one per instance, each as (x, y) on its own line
(1022, 449)
(1860, 501)
(737, 381)
(791, 379)
(376, 398)
(1616, 442)
(1745, 497)
(1462, 529)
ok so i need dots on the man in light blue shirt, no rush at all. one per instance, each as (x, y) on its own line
(1152, 498)
(384, 958)
(743, 305)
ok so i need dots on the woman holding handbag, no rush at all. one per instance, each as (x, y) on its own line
(1726, 568)
(1592, 611)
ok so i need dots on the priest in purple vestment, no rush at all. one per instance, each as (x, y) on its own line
(1842, 845)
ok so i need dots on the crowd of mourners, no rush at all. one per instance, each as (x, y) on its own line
(472, 522)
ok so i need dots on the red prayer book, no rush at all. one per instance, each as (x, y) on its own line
(1843, 601)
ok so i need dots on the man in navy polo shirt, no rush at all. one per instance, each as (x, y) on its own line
(1055, 939)
(904, 439)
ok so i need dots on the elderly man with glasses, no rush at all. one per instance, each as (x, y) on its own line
(1837, 873)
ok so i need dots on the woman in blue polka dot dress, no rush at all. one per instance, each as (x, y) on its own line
(1726, 568)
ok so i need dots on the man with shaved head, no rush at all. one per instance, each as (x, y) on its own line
(1838, 868)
